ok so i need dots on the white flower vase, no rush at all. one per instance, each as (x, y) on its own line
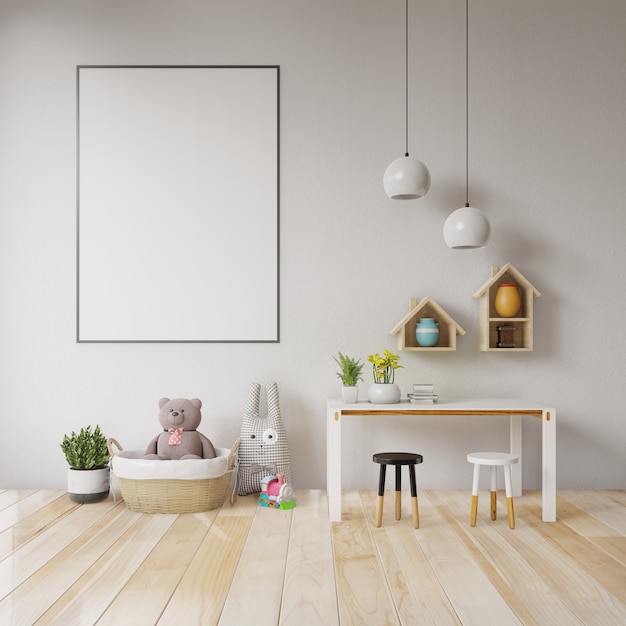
(349, 394)
(384, 393)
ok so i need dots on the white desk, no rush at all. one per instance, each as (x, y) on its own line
(514, 409)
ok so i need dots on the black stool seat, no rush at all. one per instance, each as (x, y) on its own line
(398, 459)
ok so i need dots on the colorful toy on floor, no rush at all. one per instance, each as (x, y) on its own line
(276, 493)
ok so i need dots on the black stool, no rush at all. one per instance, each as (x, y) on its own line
(398, 459)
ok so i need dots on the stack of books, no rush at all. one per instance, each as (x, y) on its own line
(423, 393)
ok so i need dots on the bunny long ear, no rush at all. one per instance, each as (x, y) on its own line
(273, 406)
(254, 395)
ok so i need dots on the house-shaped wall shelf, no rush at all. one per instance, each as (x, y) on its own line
(427, 307)
(520, 328)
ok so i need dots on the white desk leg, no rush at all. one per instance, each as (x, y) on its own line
(333, 464)
(548, 475)
(516, 448)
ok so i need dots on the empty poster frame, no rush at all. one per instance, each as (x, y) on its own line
(177, 203)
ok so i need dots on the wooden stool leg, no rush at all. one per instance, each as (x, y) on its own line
(416, 515)
(381, 495)
(475, 481)
(509, 496)
(398, 491)
(511, 513)
(494, 492)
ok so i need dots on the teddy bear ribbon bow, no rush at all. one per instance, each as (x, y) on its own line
(175, 434)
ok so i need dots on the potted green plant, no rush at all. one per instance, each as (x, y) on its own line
(350, 374)
(87, 455)
(384, 390)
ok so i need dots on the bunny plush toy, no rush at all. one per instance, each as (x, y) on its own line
(263, 445)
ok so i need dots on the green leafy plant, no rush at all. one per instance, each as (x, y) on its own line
(86, 450)
(350, 373)
(384, 367)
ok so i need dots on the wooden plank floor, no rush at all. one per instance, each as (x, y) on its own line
(63, 563)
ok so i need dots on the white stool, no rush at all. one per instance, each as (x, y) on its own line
(493, 459)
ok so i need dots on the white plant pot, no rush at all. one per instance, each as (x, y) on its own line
(384, 393)
(349, 394)
(88, 485)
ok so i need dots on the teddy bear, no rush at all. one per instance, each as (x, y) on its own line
(180, 440)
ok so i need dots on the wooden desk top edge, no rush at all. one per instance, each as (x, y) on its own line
(486, 407)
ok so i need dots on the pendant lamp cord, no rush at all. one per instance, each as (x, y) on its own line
(406, 77)
(466, 103)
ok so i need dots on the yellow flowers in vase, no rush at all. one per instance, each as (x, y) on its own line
(384, 367)
(384, 390)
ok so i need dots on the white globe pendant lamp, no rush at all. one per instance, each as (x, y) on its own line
(467, 227)
(406, 178)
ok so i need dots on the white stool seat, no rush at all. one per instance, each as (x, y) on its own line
(493, 459)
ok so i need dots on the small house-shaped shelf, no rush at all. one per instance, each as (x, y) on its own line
(427, 307)
(519, 328)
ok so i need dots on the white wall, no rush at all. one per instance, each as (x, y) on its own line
(547, 157)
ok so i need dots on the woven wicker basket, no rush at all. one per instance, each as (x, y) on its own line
(173, 495)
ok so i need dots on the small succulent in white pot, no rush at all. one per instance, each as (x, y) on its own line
(350, 375)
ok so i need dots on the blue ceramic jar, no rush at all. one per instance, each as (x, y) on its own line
(427, 332)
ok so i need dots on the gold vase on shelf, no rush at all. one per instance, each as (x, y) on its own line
(507, 301)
